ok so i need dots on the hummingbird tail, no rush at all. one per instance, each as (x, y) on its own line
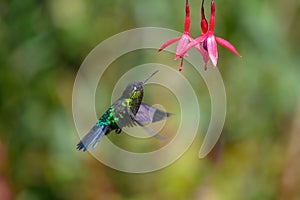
(92, 137)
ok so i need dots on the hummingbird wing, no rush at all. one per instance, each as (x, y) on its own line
(149, 114)
(92, 137)
(149, 130)
(122, 113)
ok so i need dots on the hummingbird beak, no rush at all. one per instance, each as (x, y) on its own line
(149, 77)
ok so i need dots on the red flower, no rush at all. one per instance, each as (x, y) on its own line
(202, 48)
(208, 40)
(184, 40)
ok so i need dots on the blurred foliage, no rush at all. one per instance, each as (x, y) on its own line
(43, 43)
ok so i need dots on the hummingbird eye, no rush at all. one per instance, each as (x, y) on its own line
(134, 88)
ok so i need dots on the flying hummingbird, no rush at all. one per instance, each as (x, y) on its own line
(128, 111)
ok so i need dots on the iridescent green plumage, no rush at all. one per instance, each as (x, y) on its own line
(128, 110)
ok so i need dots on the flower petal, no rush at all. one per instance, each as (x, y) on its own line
(184, 41)
(201, 38)
(204, 54)
(176, 57)
(167, 43)
(187, 20)
(227, 45)
(212, 17)
(212, 49)
(193, 43)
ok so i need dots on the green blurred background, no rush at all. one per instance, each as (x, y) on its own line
(43, 44)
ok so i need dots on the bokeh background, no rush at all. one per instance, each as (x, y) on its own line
(43, 44)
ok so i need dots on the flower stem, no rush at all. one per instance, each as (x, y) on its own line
(187, 17)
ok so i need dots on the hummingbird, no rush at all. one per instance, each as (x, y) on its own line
(127, 111)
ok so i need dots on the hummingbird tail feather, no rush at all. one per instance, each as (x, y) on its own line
(92, 137)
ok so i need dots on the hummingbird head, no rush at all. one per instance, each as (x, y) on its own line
(135, 89)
